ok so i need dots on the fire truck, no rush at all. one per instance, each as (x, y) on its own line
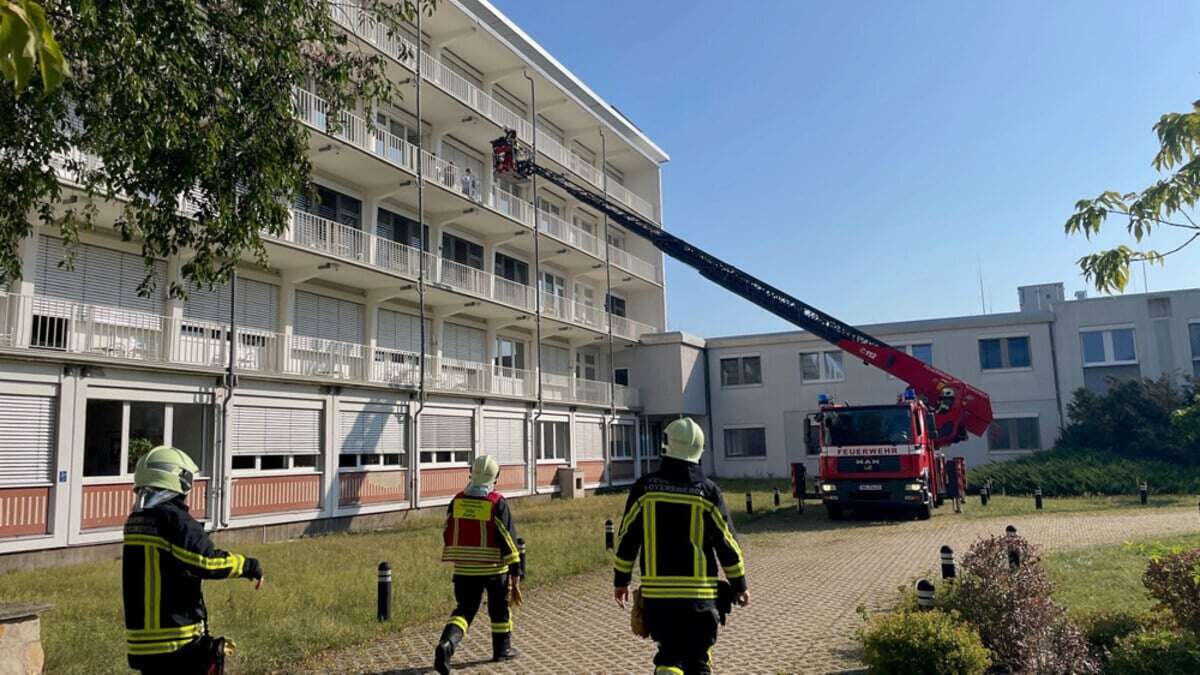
(870, 455)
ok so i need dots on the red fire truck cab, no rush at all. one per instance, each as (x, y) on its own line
(875, 456)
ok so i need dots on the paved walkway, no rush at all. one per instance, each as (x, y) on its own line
(805, 587)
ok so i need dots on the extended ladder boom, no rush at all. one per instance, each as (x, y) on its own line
(960, 407)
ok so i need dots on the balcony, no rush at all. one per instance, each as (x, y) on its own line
(349, 243)
(49, 325)
(352, 129)
(367, 28)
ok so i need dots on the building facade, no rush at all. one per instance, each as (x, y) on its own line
(754, 391)
(327, 419)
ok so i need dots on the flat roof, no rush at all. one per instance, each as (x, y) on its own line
(509, 33)
(883, 329)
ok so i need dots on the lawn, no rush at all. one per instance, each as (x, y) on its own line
(1105, 577)
(320, 592)
(1024, 506)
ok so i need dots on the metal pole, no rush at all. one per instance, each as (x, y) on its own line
(1037, 499)
(749, 503)
(414, 458)
(537, 239)
(230, 378)
(776, 497)
(612, 377)
(1144, 493)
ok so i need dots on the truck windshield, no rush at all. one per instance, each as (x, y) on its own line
(890, 425)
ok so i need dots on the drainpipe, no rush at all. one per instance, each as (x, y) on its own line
(414, 460)
(537, 267)
(708, 411)
(1054, 366)
(225, 491)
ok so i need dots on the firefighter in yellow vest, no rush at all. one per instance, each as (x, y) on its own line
(678, 519)
(480, 540)
(167, 554)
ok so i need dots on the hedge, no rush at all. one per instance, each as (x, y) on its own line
(1067, 472)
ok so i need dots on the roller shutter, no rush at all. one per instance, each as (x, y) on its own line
(328, 318)
(373, 431)
(401, 331)
(555, 360)
(26, 439)
(260, 430)
(100, 276)
(504, 439)
(463, 343)
(589, 440)
(257, 304)
(447, 433)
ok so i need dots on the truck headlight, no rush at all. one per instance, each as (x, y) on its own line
(828, 487)
(914, 487)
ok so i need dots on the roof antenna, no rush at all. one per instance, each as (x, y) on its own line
(982, 303)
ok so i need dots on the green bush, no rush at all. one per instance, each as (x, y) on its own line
(1173, 580)
(1103, 629)
(1072, 472)
(1133, 419)
(1154, 652)
(932, 643)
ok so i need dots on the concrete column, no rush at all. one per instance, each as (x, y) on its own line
(489, 345)
(437, 330)
(287, 304)
(174, 309)
(370, 222)
(25, 287)
(371, 331)
(489, 266)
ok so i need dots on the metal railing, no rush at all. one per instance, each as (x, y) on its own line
(327, 236)
(46, 324)
(628, 328)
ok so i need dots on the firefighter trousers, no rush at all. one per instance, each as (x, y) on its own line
(468, 594)
(685, 631)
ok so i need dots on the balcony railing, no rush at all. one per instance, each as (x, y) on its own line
(628, 328)
(45, 324)
(369, 29)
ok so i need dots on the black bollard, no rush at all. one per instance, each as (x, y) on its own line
(776, 497)
(984, 495)
(385, 592)
(1037, 499)
(925, 594)
(608, 535)
(1144, 493)
(521, 551)
(749, 503)
(947, 562)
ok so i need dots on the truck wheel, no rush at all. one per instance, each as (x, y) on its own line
(835, 511)
(924, 512)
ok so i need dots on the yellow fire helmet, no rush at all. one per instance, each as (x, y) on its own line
(484, 471)
(685, 440)
(167, 468)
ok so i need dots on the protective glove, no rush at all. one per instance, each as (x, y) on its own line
(252, 569)
(514, 592)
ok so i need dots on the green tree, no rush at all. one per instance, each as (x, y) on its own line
(1166, 203)
(175, 97)
(25, 41)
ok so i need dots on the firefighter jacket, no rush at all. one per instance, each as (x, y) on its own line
(479, 536)
(677, 518)
(166, 555)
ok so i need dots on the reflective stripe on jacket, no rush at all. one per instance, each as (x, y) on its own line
(479, 537)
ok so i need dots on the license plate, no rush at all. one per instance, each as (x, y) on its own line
(870, 488)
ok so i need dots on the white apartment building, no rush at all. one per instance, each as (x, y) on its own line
(325, 422)
(753, 391)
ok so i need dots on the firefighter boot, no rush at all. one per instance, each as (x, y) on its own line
(451, 636)
(502, 649)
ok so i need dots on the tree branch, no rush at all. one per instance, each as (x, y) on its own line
(1160, 221)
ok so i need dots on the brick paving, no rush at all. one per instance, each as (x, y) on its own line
(805, 589)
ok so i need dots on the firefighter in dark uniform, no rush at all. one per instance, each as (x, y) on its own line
(480, 540)
(166, 555)
(678, 519)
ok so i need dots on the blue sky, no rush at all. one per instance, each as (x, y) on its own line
(873, 158)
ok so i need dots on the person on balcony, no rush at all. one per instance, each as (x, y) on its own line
(480, 539)
(165, 557)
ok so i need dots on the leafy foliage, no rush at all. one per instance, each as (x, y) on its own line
(181, 97)
(1013, 611)
(934, 643)
(1102, 630)
(1153, 652)
(1133, 419)
(1166, 203)
(26, 40)
(1173, 580)
(1064, 472)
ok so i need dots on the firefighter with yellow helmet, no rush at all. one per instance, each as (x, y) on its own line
(679, 522)
(480, 539)
(166, 555)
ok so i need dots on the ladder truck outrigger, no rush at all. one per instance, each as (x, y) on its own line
(870, 455)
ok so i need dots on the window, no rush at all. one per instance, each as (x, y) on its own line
(654, 439)
(464, 171)
(372, 437)
(1008, 352)
(621, 376)
(512, 269)
(741, 371)
(1194, 337)
(462, 251)
(395, 227)
(510, 353)
(446, 439)
(621, 443)
(1014, 433)
(924, 352)
(821, 366)
(267, 438)
(615, 305)
(748, 442)
(616, 238)
(331, 205)
(553, 441)
(585, 223)
(119, 433)
(585, 365)
(1108, 347)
